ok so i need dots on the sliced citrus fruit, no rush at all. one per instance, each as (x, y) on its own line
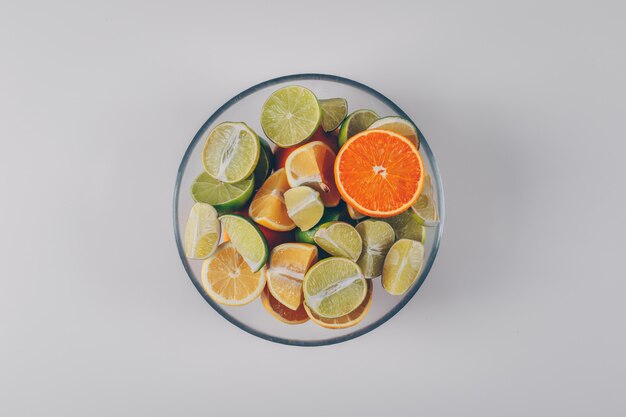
(426, 207)
(268, 205)
(407, 225)
(312, 164)
(288, 264)
(264, 166)
(304, 206)
(402, 266)
(290, 115)
(331, 214)
(339, 239)
(281, 312)
(379, 173)
(231, 152)
(334, 110)
(247, 239)
(377, 237)
(225, 197)
(334, 287)
(351, 319)
(202, 232)
(355, 215)
(228, 279)
(282, 154)
(397, 125)
(356, 122)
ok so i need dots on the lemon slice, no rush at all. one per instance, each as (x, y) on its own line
(402, 266)
(231, 152)
(247, 239)
(304, 206)
(339, 239)
(377, 237)
(202, 232)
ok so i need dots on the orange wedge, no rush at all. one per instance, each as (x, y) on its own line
(312, 164)
(280, 312)
(351, 319)
(268, 205)
(228, 279)
(379, 173)
(288, 264)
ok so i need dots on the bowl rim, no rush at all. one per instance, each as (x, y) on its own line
(427, 266)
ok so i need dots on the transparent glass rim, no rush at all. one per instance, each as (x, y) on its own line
(424, 147)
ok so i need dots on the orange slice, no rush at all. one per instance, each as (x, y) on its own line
(351, 319)
(228, 279)
(268, 205)
(280, 312)
(312, 164)
(288, 264)
(379, 173)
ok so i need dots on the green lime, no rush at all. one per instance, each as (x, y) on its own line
(265, 164)
(339, 239)
(331, 214)
(223, 196)
(397, 125)
(356, 122)
(334, 110)
(426, 207)
(304, 206)
(334, 287)
(231, 152)
(407, 225)
(290, 116)
(402, 266)
(202, 232)
(247, 239)
(377, 237)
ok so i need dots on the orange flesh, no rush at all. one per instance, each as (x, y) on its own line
(281, 312)
(288, 264)
(268, 205)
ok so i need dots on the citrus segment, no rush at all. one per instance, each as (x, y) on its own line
(228, 279)
(331, 214)
(288, 264)
(407, 225)
(397, 125)
(202, 232)
(281, 312)
(334, 110)
(355, 215)
(426, 207)
(247, 239)
(264, 166)
(231, 152)
(312, 164)
(304, 206)
(268, 205)
(351, 319)
(377, 237)
(356, 122)
(403, 265)
(379, 173)
(225, 197)
(339, 239)
(334, 287)
(290, 115)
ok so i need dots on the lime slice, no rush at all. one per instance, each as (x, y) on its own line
(202, 232)
(231, 152)
(334, 110)
(402, 266)
(397, 125)
(265, 164)
(247, 239)
(354, 215)
(290, 116)
(334, 287)
(223, 196)
(304, 206)
(356, 122)
(407, 225)
(377, 237)
(331, 214)
(339, 239)
(425, 207)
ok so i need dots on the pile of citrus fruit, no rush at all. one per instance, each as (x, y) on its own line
(307, 220)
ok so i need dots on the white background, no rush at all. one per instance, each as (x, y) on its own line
(522, 103)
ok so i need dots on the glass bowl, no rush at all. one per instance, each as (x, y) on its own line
(246, 106)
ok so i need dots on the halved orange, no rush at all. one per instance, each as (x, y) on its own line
(312, 164)
(379, 173)
(280, 312)
(268, 205)
(351, 319)
(288, 264)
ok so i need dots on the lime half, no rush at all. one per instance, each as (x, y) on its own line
(426, 207)
(397, 125)
(223, 196)
(202, 232)
(407, 225)
(402, 266)
(339, 239)
(377, 237)
(231, 152)
(304, 206)
(290, 116)
(356, 122)
(334, 287)
(247, 239)
(334, 110)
